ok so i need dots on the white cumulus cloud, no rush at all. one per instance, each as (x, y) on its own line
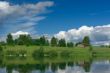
(17, 34)
(97, 34)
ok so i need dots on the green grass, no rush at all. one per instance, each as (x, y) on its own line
(77, 54)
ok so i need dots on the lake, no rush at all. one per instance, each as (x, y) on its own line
(91, 66)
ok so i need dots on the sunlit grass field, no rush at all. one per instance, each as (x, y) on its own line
(77, 53)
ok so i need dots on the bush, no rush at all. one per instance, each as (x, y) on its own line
(1, 54)
(51, 54)
(90, 48)
(1, 48)
(38, 54)
(65, 54)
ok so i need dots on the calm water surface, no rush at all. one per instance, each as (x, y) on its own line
(100, 66)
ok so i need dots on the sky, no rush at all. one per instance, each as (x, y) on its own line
(69, 19)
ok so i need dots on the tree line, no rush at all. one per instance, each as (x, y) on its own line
(43, 41)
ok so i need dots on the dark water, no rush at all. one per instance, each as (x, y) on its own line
(97, 66)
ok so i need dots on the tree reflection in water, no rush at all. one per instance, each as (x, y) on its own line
(28, 68)
(47, 66)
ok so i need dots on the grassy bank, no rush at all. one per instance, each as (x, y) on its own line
(75, 54)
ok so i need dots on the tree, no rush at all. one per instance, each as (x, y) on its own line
(24, 40)
(37, 42)
(78, 43)
(109, 46)
(70, 44)
(9, 39)
(28, 40)
(47, 43)
(43, 41)
(86, 41)
(53, 41)
(62, 43)
(20, 42)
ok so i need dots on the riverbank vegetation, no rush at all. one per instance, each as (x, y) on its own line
(43, 41)
(41, 49)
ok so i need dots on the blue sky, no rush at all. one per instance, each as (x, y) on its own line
(53, 16)
(75, 13)
(72, 14)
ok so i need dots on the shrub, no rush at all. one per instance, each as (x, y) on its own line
(38, 54)
(90, 48)
(65, 54)
(51, 54)
(1, 48)
(1, 54)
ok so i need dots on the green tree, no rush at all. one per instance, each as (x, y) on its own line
(70, 44)
(109, 46)
(20, 42)
(9, 39)
(24, 40)
(62, 43)
(37, 42)
(47, 43)
(77, 44)
(28, 40)
(86, 41)
(54, 41)
(44, 41)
